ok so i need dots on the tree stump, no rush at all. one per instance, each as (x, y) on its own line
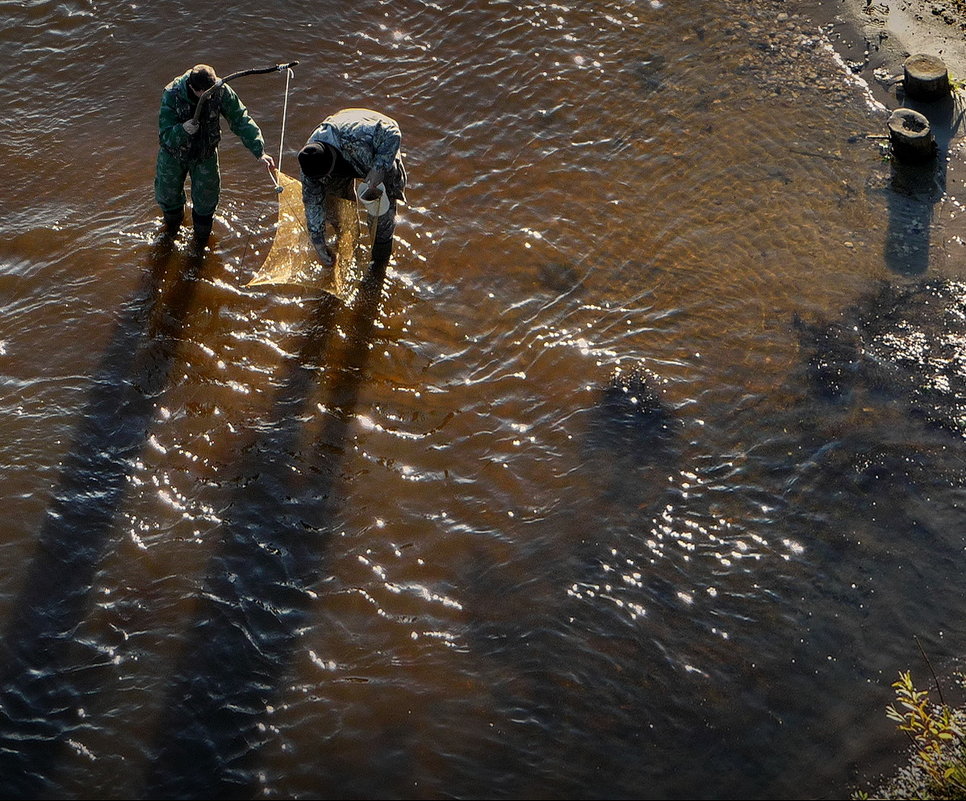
(925, 78)
(911, 137)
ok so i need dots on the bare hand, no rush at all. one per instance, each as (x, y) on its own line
(190, 127)
(373, 179)
(269, 163)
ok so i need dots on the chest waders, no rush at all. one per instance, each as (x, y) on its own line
(205, 171)
(203, 222)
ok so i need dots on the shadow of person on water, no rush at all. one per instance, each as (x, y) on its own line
(45, 673)
(257, 591)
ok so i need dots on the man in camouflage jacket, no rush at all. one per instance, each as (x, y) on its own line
(352, 144)
(191, 148)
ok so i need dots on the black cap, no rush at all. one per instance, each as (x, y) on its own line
(317, 159)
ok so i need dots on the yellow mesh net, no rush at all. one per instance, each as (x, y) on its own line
(292, 258)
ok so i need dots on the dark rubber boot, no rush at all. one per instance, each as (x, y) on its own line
(172, 222)
(381, 251)
(202, 223)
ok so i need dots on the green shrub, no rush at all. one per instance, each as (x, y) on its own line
(937, 764)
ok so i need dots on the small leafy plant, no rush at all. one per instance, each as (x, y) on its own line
(937, 768)
(932, 730)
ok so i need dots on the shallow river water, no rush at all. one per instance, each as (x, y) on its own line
(637, 474)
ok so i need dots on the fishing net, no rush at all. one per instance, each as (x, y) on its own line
(292, 258)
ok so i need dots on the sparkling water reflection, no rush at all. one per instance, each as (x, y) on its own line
(617, 484)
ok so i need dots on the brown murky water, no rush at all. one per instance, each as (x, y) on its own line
(258, 543)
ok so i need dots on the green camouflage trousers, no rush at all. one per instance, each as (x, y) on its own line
(169, 181)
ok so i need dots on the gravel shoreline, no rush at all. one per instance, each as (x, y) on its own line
(876, 37)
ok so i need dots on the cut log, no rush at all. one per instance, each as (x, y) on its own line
(911, 137)
(925, 78)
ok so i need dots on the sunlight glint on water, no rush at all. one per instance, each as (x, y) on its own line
(448, 552)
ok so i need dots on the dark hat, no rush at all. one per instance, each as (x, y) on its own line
(202, 77)
(317, 159)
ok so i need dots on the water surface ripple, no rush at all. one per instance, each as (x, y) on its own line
(634, 476)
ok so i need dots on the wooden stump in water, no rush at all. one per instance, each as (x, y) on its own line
(925, 77)
(911, 137)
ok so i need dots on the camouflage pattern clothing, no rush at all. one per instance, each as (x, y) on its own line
(181, 155)
(365, 140)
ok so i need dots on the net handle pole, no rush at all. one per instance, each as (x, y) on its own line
(281, 140)
(218, 84)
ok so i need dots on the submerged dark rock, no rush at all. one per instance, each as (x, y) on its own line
(558, 276)
(651, 71)
(906, 343)
(832, 358)
(633, 436)
(631, 405)
(919, 334)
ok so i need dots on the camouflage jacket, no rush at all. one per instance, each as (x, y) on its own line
(178, 105)
(367, 140)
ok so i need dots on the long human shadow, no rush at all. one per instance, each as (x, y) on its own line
(257, 591)
(44, 672)
(917, 188)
